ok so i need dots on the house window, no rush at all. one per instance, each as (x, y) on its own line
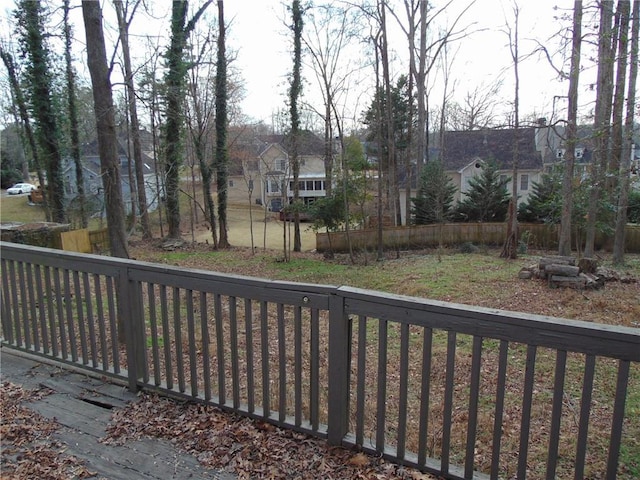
(273, 186)
(524, 182)
(309, 185)
(281, 164)
(231, 183)
(319, 185)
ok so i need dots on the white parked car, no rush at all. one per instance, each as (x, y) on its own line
(20, 188)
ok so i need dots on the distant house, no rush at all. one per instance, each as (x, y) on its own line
(265, 169)
(93, 186)
(463, 154)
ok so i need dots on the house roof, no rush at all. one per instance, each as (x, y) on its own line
(308, 142)
(464, 147)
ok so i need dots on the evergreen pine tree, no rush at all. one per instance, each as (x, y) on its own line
(434, 200)
(487, 199)
(544, 204)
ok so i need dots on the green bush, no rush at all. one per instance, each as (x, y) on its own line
(9, 177)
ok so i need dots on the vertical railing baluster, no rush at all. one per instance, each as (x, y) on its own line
(282, 365)
(113, 325)
(235, 364)
(248, 322)
(381, 396)
(222, 392)
(618, 419)
(191, 333)
(585, 413)
(206, 360)
(166, 337)
(556, 413)
(42, 311)
(499, 409)
(314, 382)
(361, 379)
(7, 302)
(264, 345)
(474, 393)
(527, 401)
(404, 386)
(447, 416)
(153, 326)
(60, 310)
(24, 303)
(177, 332)
(298, 364)
(68, 303)
(90, 320)
(425, 392)
(80, 317)
(49, 294)
(31, 300)
(97, 285)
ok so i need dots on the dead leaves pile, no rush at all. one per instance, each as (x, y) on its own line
(244, 447)
(28, 451)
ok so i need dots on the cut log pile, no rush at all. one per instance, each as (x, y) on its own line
(564, 271)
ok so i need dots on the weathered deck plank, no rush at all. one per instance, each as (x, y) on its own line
(83, 423)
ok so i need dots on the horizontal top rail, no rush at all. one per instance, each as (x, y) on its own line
(539, 330)
(564, 334)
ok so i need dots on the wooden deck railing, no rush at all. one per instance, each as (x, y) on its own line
(457, 391)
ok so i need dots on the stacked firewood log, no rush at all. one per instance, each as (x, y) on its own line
(564, 271)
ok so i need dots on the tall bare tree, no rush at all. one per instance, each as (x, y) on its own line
(602, 120)
(175, 91)
(510, 248)
(30, 17)
(623, 199)
(222, 156)
(123, 30)
(72, 109)
(295, 91)
(200, 123)
(564, 243)
(617, 114)
(105, 127)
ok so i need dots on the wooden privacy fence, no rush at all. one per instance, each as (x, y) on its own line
(421, 236)
(461, 392)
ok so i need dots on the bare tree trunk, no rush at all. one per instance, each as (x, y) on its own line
(73, 118)
(623, 199)
(123, 27)
(175, 79)
(564, 243)
(222, 157)
(380, 145)
(618, 98)
(295, 91)
(391, 150)
(510, 249)
(602, 121)
(105, 126)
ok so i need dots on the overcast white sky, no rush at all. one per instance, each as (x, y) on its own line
(264, 57)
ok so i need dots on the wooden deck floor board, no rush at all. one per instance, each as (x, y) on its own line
(78, 404)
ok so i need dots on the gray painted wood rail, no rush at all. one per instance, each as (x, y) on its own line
(458, 391)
